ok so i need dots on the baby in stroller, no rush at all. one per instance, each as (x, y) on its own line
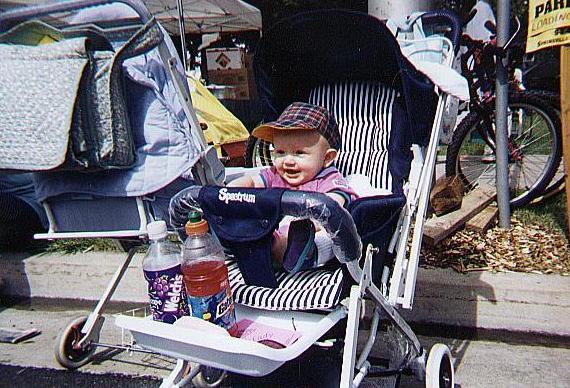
(306, 140)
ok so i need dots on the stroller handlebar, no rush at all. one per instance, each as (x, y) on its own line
(448, 18)
(11, 18)
(319, 207)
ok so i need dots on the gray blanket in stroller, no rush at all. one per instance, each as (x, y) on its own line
(63, 104)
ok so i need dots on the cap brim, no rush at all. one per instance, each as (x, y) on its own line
(265, 131)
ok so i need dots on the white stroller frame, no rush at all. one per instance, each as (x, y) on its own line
(208, 170)
(180, 343)
(228, 353)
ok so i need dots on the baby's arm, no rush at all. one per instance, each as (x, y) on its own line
(337, 197)
(254, 181)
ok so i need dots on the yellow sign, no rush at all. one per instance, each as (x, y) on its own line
(548, 24)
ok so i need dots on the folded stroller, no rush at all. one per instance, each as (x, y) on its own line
(95, 103)
(389, 116)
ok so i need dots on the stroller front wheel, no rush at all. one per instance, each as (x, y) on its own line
(67, 354)
(439, 368)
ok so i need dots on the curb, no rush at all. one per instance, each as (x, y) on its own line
(489, 302)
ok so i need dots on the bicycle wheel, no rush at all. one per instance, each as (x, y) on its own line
(556, 185)
(258, 153)
(534, 143)
(551, 97)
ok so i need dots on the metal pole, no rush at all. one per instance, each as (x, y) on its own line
(501, 106)
(565, 108)
(182, 29)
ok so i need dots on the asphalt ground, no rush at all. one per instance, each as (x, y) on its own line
(509, 361)
(504, 329)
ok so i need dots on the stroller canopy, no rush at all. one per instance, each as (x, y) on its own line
(319, 47)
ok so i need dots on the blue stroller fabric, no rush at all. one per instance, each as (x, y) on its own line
(245, 229)
(353, 71)
(288, 65)
(83, 124)
(166, 149)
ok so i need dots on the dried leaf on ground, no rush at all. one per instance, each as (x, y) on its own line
(523, 248)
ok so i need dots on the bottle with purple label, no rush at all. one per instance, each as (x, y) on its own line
(161, 267)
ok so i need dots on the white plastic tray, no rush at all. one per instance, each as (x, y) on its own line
(228, 353)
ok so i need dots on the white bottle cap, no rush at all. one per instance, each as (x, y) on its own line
(157, 230)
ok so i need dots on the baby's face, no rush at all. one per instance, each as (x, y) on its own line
(300, 155)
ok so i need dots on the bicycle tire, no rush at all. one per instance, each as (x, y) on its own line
(556, 185)
(551, 97)
(258, 153)
(463, 143)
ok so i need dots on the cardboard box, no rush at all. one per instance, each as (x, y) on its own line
(225, 58)
(241, 92)
(240, 81)
(233, 92)
(229, 77)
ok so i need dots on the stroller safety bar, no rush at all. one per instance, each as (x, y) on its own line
(319, 207)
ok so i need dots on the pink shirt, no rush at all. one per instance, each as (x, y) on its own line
(327, 181)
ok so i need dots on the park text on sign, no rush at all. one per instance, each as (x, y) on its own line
(548, 24)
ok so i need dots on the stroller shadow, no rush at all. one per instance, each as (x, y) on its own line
(14, 284)
(451, 311)
(315, 368)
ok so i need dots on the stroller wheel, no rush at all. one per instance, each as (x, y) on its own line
(439, 368)
(208, 377)
(66, 354)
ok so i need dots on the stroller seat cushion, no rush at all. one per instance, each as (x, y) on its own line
(314, 289)
(374, 128)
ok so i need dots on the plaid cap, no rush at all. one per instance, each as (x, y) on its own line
(301, 115)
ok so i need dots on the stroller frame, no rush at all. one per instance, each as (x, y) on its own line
(433, 368)
(209, 171)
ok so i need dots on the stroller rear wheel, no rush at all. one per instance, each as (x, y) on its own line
(439, 368)
(67, 354)
(208, 377)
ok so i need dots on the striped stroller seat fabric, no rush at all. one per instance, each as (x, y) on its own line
(306, 290)
(363, 110)
(364, 114)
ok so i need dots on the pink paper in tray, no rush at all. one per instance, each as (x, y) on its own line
(271, 336)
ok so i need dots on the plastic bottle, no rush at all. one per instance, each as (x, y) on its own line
(206, 275)
(161, 267)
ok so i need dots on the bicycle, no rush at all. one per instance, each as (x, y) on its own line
(557, 184)
(534, 137)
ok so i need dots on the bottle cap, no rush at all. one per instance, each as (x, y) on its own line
(157, 230)
(195, 225)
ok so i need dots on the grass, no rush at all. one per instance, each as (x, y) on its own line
(81, 245)
(550, 213)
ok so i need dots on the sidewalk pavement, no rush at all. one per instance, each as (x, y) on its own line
(505, 302)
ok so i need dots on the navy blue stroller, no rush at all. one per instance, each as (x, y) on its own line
(389, 116)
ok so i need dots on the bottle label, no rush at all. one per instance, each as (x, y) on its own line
(217, 308)
(167, 294)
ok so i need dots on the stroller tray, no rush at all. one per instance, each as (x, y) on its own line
(218, 350)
